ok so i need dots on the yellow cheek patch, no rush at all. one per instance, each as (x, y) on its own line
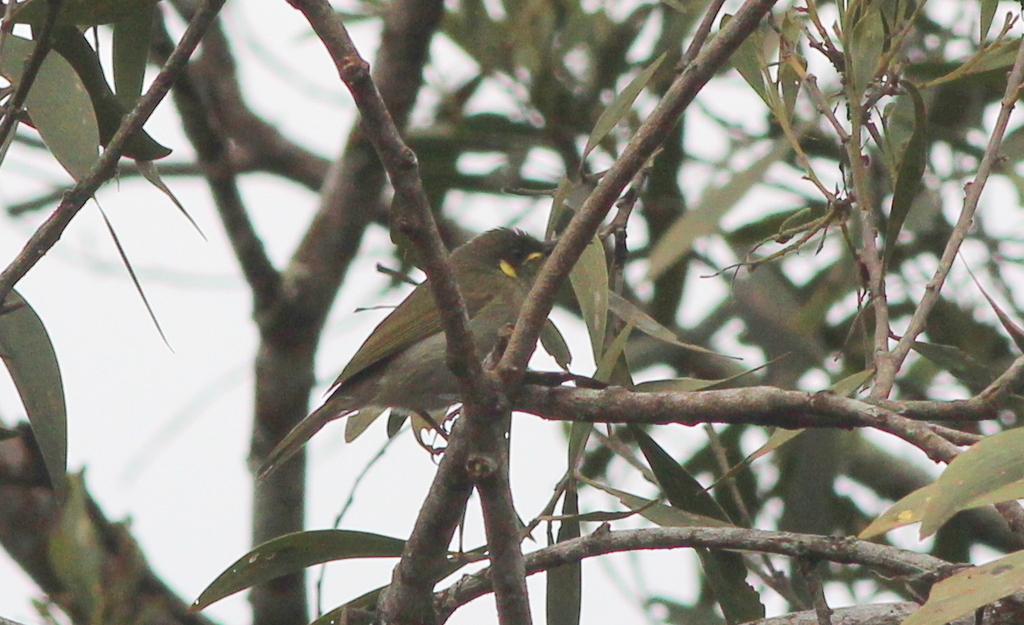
(535, 256)
(508, 269)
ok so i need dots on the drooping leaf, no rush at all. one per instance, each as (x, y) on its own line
(997, 56)
(725, 570)
(589, 279)
(988, 12)
(58, 105)
(29, 356)
(1015, 331)
(132, 33)
(780, 436)
(149, 172)
(749, 60)
(294, 552)
(135, 279)
(74, 47)
(849, 385)
(610, 357)
(910, 166)
(866, 48)
(565, 583)
(81, 12)
(554, 344)
(962, 365)
(658, 513)
(970, 589)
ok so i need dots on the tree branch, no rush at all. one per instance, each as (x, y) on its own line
(49, 232)
(890, 560)
(641, 146)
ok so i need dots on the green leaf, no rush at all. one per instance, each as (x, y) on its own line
(910, 166)
(554, 344)
(149, 172)
(81, 12)
(294, 552)
(132, 33)
(866, 48)
(29, 357)
(632, 314)
(620, 106)
(657, 513)
(849, 385)
(565, 583)
(674, 384)
(681, 489)
(58, 106)
(589, 279)
(704, 218)
(1015, 331)
(961, 364)
(610, 357)
(997, 56)
(749, 60)
(970, 589)
(909, 509)
(779, 437)
(989, 471)
(74, 47)
(988, 12)
(725, 570)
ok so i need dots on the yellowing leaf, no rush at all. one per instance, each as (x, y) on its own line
(969, 590)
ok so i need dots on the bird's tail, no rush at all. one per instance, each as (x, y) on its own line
(299, 436)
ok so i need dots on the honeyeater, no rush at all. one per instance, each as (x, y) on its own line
(401, 365)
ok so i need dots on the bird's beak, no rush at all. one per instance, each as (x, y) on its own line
(549, 246)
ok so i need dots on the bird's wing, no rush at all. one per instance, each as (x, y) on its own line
(400, 329)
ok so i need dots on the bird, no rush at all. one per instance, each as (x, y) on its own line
(401, 365)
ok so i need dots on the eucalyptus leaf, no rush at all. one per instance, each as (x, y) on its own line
(867, 47)
(565, 582)
(589, 279)
(621, 105)
(292, 553)
(910, 166)
(970, 589)
(31, 360)
(132, 33)
(989, 471)
(58, 105)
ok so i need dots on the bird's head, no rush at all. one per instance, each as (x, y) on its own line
(501, 254)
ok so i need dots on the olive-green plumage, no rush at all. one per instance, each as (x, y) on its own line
(401, 364)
